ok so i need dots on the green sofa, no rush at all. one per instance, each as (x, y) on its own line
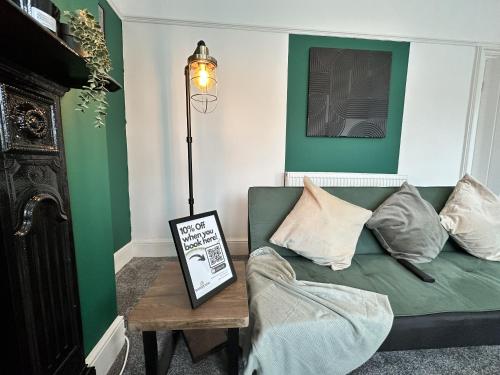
(462, 308)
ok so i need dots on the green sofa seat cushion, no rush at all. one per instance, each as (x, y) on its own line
(463, 283)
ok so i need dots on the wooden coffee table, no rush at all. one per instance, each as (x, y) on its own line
(165, 307)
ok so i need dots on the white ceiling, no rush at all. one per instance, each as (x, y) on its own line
(461, 20)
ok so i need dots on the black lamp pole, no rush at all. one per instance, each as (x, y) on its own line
(189, 140)
(201, 70)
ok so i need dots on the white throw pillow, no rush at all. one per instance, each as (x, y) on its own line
(472, 217)
(322, 227)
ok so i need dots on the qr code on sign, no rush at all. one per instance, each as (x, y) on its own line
(215, 255)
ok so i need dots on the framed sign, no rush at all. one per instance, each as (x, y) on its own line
(203, 254)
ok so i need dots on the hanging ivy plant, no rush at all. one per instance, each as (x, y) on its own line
(88, 33)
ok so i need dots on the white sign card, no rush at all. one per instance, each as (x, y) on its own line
(203, 254)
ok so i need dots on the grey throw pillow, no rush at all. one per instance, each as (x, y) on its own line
(408, 227)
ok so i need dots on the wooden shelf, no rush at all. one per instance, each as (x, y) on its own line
(27, 44)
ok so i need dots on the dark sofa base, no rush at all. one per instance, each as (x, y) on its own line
(443, 330)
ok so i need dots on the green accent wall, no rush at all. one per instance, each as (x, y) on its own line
(322, 154)
(116, 135)
(98, 185)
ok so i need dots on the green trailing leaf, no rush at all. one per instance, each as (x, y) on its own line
(88, 32)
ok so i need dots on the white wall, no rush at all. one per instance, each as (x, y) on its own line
(242, 143)
(239, 145)
(434, 120)
(486, 158)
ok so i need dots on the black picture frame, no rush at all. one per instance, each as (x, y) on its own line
(218, 239)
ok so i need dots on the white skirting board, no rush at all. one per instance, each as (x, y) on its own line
(166, 248)
(163, 248)
(123, 256)
(107, 349)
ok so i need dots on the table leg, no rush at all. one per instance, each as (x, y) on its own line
(233, 351)
(158, 363)
(150, 352)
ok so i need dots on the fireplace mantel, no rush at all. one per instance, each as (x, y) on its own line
(29, 45)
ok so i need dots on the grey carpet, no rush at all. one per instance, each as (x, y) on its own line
(137, 275)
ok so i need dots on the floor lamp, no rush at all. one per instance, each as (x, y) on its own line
(201, 93)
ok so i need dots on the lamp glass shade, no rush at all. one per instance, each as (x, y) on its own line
(203, 85)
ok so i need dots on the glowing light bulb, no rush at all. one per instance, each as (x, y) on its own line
(203, 76)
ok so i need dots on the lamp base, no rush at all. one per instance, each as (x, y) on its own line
(203, 342)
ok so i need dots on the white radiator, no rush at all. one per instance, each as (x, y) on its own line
(345, 179)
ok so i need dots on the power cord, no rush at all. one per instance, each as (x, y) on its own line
(126, 355)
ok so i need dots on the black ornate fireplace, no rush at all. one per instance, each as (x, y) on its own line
(37, 260)
(39, 288)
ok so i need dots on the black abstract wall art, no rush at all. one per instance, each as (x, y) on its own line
(348, 93)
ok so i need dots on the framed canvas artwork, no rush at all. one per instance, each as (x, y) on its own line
(348, 93)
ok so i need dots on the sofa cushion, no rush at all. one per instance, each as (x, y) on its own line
(463, 283)
(472, 217)
(408, 227)
(322, 227)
